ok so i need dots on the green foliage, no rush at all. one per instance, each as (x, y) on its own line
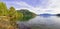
(14, 15)
(3, 9)
(12, 11)
(26, 14)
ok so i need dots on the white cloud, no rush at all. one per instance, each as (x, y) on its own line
(52, 5)
(36, 10)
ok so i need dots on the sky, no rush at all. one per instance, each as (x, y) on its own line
(36, 6)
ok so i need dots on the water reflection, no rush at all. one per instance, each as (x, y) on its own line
(44, 22)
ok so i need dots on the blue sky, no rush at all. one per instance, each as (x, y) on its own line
(30, 2)
(36, 6)
(33, 3)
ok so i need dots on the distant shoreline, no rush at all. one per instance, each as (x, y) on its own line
(48, 15)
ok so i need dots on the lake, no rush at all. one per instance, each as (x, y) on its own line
(43, 22)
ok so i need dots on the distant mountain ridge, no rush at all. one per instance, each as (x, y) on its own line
(46, 14)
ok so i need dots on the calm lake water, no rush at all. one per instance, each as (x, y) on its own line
(43, 22)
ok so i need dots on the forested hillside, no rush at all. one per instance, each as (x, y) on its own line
(26, 14)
